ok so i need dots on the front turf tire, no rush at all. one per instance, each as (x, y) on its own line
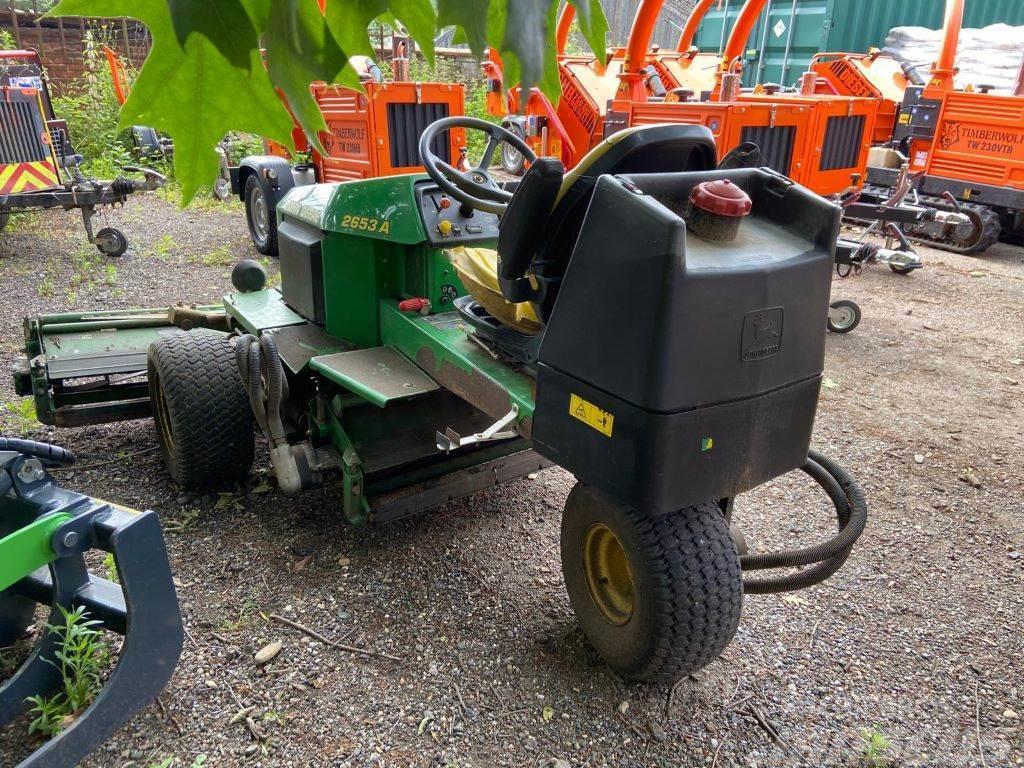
(203, 418)
(658, 598)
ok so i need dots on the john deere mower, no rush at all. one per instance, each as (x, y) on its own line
(648, 322)
(45, 531)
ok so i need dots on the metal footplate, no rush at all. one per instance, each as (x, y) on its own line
(45, 532)
(449, 440)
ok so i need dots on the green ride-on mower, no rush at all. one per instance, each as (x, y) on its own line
(652, 325)
(45, 532)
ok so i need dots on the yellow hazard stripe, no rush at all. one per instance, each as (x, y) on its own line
(27, 177)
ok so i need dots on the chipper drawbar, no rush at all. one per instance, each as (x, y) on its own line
(652, 324)
(45, 531)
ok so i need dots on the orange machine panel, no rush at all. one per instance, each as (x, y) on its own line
(840, 136)
(587, 89)
(780, 130)
(691, 70)
(979, 137)
(866, 76)
(377, 133)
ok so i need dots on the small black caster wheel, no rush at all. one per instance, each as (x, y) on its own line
(111, 242)
(222, 189)
(843, 316)
(901, 270)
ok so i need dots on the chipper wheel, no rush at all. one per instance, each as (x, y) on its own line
(658, 598)
(111, 242)
(843, 316)
(202, 413)
(4, 218)
(262, 224)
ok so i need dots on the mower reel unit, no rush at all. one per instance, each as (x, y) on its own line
(650, 324)
(45, 531)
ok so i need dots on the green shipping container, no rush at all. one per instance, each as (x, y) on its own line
(790, 32)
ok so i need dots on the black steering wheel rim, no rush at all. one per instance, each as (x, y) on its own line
(474, 187)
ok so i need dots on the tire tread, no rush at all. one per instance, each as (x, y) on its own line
(209, 409)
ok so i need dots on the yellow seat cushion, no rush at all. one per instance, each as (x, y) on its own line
(478, 270)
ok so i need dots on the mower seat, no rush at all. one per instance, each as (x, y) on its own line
(540, 226)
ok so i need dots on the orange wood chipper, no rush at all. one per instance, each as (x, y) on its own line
(39, 168)
(369, 134)
(819, 141)
(964, 149)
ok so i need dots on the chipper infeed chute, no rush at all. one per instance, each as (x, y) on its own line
(45, 532)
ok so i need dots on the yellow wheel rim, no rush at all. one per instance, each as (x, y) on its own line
(606, 571)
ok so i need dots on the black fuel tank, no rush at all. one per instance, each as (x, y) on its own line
(706, 355)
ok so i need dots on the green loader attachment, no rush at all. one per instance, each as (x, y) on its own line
(45, 532)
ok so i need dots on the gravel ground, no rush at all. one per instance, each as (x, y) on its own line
(918, 638)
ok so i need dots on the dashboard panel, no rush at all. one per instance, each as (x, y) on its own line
(446, 221)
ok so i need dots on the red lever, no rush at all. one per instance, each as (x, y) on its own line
(413, 305)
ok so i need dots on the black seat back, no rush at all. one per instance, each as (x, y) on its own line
(665, 148)
(523, 229)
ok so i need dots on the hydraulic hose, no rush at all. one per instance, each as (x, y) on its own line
(824, 559)
(264, 379)
(51, 455)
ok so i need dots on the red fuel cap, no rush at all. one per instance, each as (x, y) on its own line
(721, 197)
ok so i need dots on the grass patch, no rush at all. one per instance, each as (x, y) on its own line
(81, 655)
(46, 287)
(163, 248)
(219, 257)
(248, 613)
(22, 415)
(874, 748)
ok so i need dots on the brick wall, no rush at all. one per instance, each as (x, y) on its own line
(61, 42)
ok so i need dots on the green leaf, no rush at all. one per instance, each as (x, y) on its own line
(471, 17)
(301, 50)
(348, 21)
(225, 23)
(192, 92)
(593, 24)
(527, 31)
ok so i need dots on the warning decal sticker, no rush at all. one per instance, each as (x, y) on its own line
(591, 415)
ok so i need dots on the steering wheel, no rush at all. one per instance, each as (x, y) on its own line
(474, 187)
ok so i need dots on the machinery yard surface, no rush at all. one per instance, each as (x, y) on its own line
(449, 637)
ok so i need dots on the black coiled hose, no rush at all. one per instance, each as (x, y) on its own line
(824, 559)
(263, 378)
(51, 455)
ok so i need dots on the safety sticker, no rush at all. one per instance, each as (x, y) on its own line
(591, 415)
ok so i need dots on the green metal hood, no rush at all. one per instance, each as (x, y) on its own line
(383, 208)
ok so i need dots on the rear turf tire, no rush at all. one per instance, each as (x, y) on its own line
(658, 598)
(259, 216)
(203, 418)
